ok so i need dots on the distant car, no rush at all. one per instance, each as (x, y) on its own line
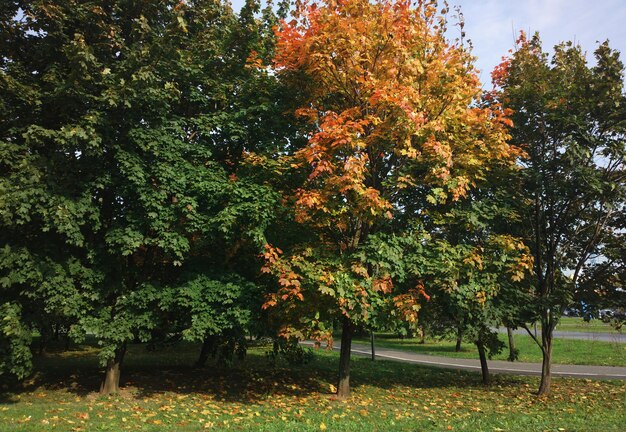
(605, 313)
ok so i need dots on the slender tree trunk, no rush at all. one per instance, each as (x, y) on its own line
(546, 373)
(372, 345)
(111, 382)
(459, 339)
(484, 367)
(422, 336)
(43, 340)
(205, 351)
(512, 349)
(343, 389)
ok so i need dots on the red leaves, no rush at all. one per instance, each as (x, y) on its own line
(383, 284)
(289, 280)
(408, 304)
(500, 72)
(271, 256)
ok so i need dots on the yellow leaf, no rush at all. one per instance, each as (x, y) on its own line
(332, 388)
(322, 426)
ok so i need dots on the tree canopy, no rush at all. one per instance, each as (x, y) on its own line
(174, 171)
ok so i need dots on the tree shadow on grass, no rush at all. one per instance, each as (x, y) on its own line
(146, 374)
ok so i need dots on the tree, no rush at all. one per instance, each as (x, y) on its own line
(569, 118)
(394, 123)
(473, 264)
(120, 155)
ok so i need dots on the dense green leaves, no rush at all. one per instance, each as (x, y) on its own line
(125, 126)
(15, 338)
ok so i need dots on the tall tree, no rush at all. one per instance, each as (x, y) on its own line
(119, 155)
(570, 118)
(391, 105)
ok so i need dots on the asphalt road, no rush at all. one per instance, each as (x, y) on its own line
(495, 366)
(602, 337)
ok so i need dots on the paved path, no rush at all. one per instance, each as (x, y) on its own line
(602, 337)
(495, 366)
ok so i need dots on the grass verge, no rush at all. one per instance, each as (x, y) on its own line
(565, 351)
(160, 392)
(574, 324)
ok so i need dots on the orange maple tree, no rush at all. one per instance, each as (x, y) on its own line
(393, 107)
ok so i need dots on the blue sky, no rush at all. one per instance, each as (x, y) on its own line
(493, 25)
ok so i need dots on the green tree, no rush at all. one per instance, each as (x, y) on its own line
(472, 263)
(569, 118)
(120, 153)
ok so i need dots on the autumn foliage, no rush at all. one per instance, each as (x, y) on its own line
(394, 107)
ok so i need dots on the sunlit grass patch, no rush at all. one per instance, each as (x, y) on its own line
(565, 351)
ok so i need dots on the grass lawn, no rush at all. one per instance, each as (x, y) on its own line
(565, 351)
(160, 392)
(574, 324)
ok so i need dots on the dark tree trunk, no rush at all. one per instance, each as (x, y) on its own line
(484, 367)
(512, 350)
(111, 382)
(343, 389)
(44, 337)
(68, 341)
(372, 345)
(207, 348)
(459, 339)
(546, 374)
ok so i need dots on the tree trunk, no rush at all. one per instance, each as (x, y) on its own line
(422, 336)
(546, 374)
(43, 340)
(484, 367)
(111, 382)
(343, 389)
(372, 344)
(459, 339)
(67, 340)
(512, 350)
(205, 351)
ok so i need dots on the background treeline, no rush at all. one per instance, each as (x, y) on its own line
(176, 171)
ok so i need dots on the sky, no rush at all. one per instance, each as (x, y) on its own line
(493, 25)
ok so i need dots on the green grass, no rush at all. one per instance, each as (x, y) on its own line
(565, 351)
(574, 324)
(160, 392)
